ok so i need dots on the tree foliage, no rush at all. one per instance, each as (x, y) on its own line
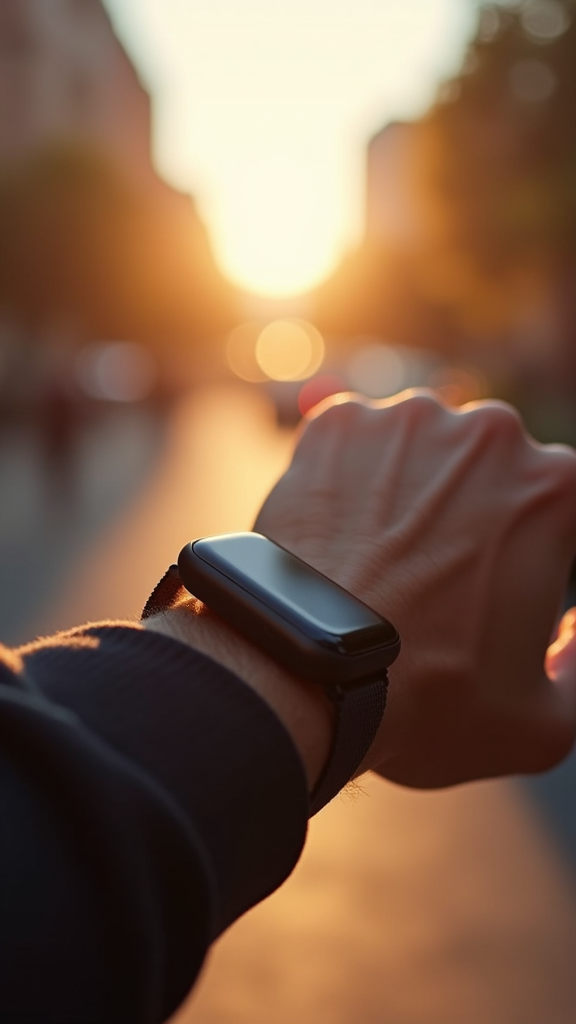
(79, 240)
(500, 165)
(493, 191)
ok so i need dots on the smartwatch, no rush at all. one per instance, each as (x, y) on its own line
(304, 621)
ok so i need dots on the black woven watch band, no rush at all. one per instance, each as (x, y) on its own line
(359, 708)
(359, 712)
(164, 595)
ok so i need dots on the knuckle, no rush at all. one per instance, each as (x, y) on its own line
(332, 415)
(496, 419)
(421, 404)
(340, 413)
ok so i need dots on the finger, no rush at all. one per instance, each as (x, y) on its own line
(561, 655)
(322, 407)
(561, 671)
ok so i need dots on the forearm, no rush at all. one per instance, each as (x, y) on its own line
(302, 707)
(168, 795)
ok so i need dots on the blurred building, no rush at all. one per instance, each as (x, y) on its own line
(391, 205)
(65, 75)
(94, 245)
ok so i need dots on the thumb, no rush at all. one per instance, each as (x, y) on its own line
(561, 671)
(561, 655)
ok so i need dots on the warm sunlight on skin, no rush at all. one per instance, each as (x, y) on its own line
(263, 109)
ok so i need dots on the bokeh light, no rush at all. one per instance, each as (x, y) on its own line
(241, 352)
(117, 371)
(457, 385)
(376, 370)
(489, 24)
(532, 81)
(290, 349)
(544, 20)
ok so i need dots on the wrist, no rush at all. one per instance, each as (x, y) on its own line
(302, 707)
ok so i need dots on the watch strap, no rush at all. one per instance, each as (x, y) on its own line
(359, 708)
(359, 712)
(165, 594)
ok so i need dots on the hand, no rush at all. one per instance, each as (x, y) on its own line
(461, 529)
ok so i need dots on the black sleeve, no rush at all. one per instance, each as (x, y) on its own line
(147, 799)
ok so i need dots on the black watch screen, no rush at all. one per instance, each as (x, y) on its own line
(284, 605)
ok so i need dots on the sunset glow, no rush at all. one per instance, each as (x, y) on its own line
(263, 109)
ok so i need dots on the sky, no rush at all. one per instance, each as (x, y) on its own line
(263, 108)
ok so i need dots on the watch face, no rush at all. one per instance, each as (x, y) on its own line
(297, 592)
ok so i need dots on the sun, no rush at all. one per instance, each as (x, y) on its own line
(271, 242)
(263, 109)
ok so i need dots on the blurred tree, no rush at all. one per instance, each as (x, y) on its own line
(78, 242)
(493, 191)
(500, 175)
(374, 292)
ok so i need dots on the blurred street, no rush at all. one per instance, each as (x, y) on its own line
(56, 504)
(407, 908)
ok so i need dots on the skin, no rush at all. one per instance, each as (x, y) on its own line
(459, 528)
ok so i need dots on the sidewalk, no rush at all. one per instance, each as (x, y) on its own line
(407, 908)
